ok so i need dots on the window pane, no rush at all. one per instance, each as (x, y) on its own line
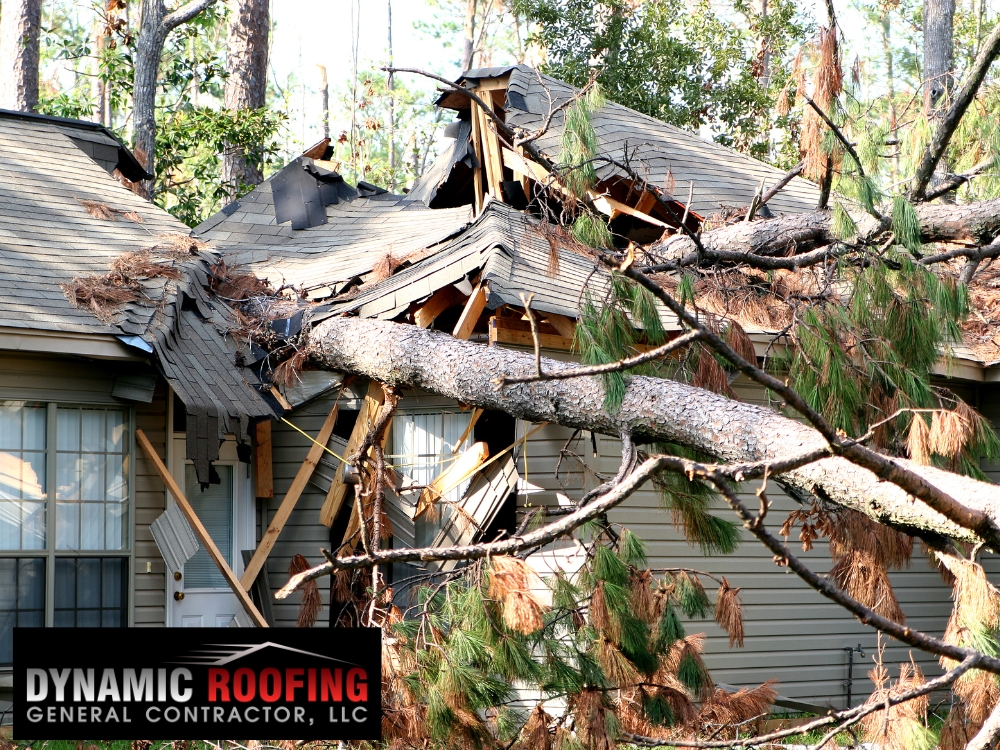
(22, 475)
(22, 599)
(92, 492)
(214, 508)
(90, 592)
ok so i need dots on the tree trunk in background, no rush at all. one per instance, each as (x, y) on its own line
(653, 410)
(324, 100)
(155, 25)
(392, 112)
(246, 87)
(469, 41)
(939, 63)
(20, 23)
(98, 86)
(763, 47)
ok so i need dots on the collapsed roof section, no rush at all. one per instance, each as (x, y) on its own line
(65, 222)
(677, 162)
(338, 251)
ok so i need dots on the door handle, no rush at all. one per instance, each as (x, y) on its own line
(178, 595)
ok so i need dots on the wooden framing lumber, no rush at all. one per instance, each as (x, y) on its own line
(200, 530)
(263, 471)
(473, 309)
(440, 301)
(565, 326)
(287, 505)
(516, 333)
(370, 408)
(457, 472)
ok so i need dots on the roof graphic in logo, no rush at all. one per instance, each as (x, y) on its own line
(219, 654)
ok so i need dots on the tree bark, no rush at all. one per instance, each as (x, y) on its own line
(469, 39)
(939, 63)
(976, 223)
(246, 86)
(155, 25)
(20, 23)
(653, 410)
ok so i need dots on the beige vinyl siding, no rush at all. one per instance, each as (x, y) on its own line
(303, 533)
(73, 380)
(149, 501)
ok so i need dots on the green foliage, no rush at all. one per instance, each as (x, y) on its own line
(580, 145)
(688, 65)
(906, 225)
(610, 330)
(657, 710)
(592, 230)
(692, 673)
(668, 629)
(633, 550)
(690, 500)
(691, 597)
(842, 225)
(190, 146)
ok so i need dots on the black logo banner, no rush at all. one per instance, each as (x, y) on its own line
(188, 683)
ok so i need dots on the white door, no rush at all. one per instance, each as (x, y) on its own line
(200, 596)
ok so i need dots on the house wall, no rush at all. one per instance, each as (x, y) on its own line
(792, 633)
(71, 380)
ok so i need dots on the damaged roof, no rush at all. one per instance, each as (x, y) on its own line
(320, 260)
(669, 157)
(64, 220)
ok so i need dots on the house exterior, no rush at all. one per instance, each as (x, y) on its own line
(80, 501)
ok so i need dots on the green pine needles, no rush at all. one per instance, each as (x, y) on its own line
(580, 145)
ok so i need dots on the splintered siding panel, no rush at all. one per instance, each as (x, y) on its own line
(81, 381)
(303, 534)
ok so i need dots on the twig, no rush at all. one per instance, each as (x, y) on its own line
(780, 184)
(957, 180)
(622, 364)
(526, 301)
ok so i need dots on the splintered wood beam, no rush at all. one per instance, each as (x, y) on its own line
(473, 309)
(515, 333)
(457, 472)
(200, 531)
(262, 460)
(477, 173)
(440, 301)
(367, 415)
(284, 511)
(604, 203)
(565, 326)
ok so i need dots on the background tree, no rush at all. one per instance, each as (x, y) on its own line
(246, 85)
(20, 26)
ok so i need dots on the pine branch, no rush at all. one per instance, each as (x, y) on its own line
(885, 468)
(957, 180)
(780, 184)
(852, 715)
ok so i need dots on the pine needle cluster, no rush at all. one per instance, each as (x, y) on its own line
(580, 145)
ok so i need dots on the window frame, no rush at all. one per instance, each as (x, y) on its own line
(50, 554)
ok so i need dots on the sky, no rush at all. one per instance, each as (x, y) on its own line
(308, 33)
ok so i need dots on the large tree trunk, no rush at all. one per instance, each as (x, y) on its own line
(653, 410)
(20, 22)
(155, 25)
(246, 87)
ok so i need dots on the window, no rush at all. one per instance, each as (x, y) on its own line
(422, 446)
(214, 508)
(64, 517)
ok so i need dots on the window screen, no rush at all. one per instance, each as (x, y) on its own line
(90, 592)
(214, 508)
